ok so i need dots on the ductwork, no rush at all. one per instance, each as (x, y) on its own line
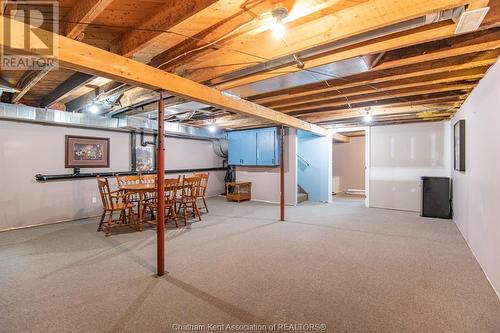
(311, 75)
(25, 113)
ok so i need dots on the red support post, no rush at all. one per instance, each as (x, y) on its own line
(160, 195)
(282, 176)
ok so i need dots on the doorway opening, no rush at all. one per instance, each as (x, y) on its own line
(349, 165)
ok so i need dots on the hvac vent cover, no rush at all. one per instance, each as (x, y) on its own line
(470, 20)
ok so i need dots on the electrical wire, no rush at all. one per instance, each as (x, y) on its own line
(215, 44)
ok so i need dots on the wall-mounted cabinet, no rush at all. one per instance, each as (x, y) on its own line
(254, 147)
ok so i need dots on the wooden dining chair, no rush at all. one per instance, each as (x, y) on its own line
(129, 180)
(203, 185)
(114, 201)
(148, 179)
(171, 188)
(189, 196)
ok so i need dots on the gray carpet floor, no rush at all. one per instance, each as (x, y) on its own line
(350, 268)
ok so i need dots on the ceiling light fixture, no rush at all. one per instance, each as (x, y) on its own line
(212, 128)
(278, 27)
(94, 108)
(368, 117)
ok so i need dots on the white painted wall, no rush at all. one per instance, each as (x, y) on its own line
(27, 149)
(266, 180)
(476, 192)
(349, 164)
(400, 155)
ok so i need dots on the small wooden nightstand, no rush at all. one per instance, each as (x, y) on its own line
(240, 191)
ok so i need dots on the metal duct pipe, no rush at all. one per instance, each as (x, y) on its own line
(30, 114)
(329, 47)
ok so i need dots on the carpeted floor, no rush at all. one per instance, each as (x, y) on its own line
(351, 268)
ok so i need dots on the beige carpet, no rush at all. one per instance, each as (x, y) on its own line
(342, 265)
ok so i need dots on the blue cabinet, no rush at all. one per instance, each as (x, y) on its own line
(267, 146)
(253, 147)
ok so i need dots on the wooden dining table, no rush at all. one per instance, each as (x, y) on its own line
(141, 189)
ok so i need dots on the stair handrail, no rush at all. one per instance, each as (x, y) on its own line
(303, 160)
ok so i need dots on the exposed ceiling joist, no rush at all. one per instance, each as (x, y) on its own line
(443, 66)
(88, 59)
(171, 13)
(73, 82)
(473, 74)
(72, 25)
(80, 15)
(28, 81)
(375, 96)
(369, 16)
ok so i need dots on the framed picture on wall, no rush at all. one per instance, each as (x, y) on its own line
(86, 152)
(459, 145)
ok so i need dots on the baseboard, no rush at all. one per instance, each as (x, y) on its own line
(272, 202)
(477, 260)
(49, 223)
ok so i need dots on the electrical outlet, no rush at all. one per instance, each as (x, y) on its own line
(94, 200)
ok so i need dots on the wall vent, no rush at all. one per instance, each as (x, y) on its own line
(471, 20)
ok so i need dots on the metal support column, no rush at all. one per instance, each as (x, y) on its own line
(160, 195)
(282, 176)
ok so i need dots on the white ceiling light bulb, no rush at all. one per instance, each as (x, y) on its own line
(94, 108)
(367, 118)
(278, 27)
(212, 128)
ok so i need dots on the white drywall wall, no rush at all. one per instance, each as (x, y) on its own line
(400, 155)
(27, 149)
(476, 192)
(349, 164)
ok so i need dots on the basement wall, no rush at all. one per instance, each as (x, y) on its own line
(266, 180)
(349, 164)
(400, 155)
(476, 192)
(28, 149)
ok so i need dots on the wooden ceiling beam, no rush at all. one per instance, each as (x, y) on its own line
(170, 14)
(450, 47)
(473, 74)
(27, 81)
(375, 96)
(81, 15)
(400, 73)
(72, 25)
(369, 16)
(64, 88)
(361, 112)
(92, 60)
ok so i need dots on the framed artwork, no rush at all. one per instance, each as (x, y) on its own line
(86, 152)
(459, 145)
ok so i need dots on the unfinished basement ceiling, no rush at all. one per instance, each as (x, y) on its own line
(403, 61)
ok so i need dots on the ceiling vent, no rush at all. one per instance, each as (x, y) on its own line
(471, 20)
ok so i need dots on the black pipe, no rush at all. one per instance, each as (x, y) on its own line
(44, 178)
(133, 158)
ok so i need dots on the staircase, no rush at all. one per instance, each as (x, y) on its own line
(301, 195)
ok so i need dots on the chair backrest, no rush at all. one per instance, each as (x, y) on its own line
(190, 186)
(203, 183)
(105, 192)
(171, 187)
(128, 180)
(148, 179)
